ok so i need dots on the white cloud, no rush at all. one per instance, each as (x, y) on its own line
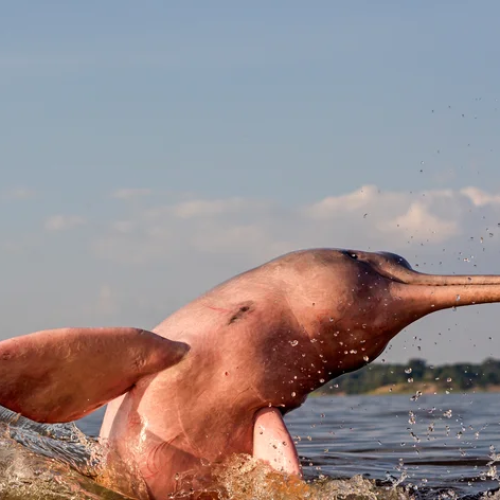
(239, 239)
(123, 226)
(333, 206)
(153, 259)
(19, 194)
(130, 193)
(255, 230)
(102, 301)
(135, 243)
(480, 198)
(392, 217)
(106, 301)
(208, 208)
(63, 222)
(419, 221)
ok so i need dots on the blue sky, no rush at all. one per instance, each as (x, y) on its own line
(149, 151)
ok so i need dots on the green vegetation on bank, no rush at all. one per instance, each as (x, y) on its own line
(415, 376)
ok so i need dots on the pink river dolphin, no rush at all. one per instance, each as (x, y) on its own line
(217, 376)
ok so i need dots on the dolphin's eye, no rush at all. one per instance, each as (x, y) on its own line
(350, 254)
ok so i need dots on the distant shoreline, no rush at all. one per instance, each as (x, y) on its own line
(403, 389)
(417, 378)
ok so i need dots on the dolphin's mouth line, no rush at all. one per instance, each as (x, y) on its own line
(390, 276)
(410, 277)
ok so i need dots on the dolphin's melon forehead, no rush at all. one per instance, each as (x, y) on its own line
(394, 257)
(311, 254)
(308, 259)
(301, 259)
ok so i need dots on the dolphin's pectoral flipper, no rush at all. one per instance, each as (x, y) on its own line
(62, 375)
(273, 444)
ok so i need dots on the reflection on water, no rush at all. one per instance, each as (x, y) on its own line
(434, 443)
(371, 447)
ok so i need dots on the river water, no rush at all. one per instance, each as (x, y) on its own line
(435, 446)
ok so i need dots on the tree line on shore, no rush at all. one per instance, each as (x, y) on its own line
(416, 374)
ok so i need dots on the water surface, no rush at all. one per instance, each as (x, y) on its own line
(435, 446)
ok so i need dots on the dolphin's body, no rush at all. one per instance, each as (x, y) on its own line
(238, 358)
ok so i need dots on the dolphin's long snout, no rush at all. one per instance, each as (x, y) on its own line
(411, 277)
(418, 294)
(425, 293)
(398, 269)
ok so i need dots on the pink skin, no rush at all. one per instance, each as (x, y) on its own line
(272, 442)
(82, 369)
(259, 344)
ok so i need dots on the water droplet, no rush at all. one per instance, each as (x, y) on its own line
(416, 396)
(366, 358)
(294, 394)
(293, 343)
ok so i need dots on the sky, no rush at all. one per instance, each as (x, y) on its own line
(149, 151)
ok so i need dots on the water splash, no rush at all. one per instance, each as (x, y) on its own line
(244, 478)
(39, 461)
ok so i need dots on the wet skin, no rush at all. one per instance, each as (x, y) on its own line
(266, 339)
(235, 360)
